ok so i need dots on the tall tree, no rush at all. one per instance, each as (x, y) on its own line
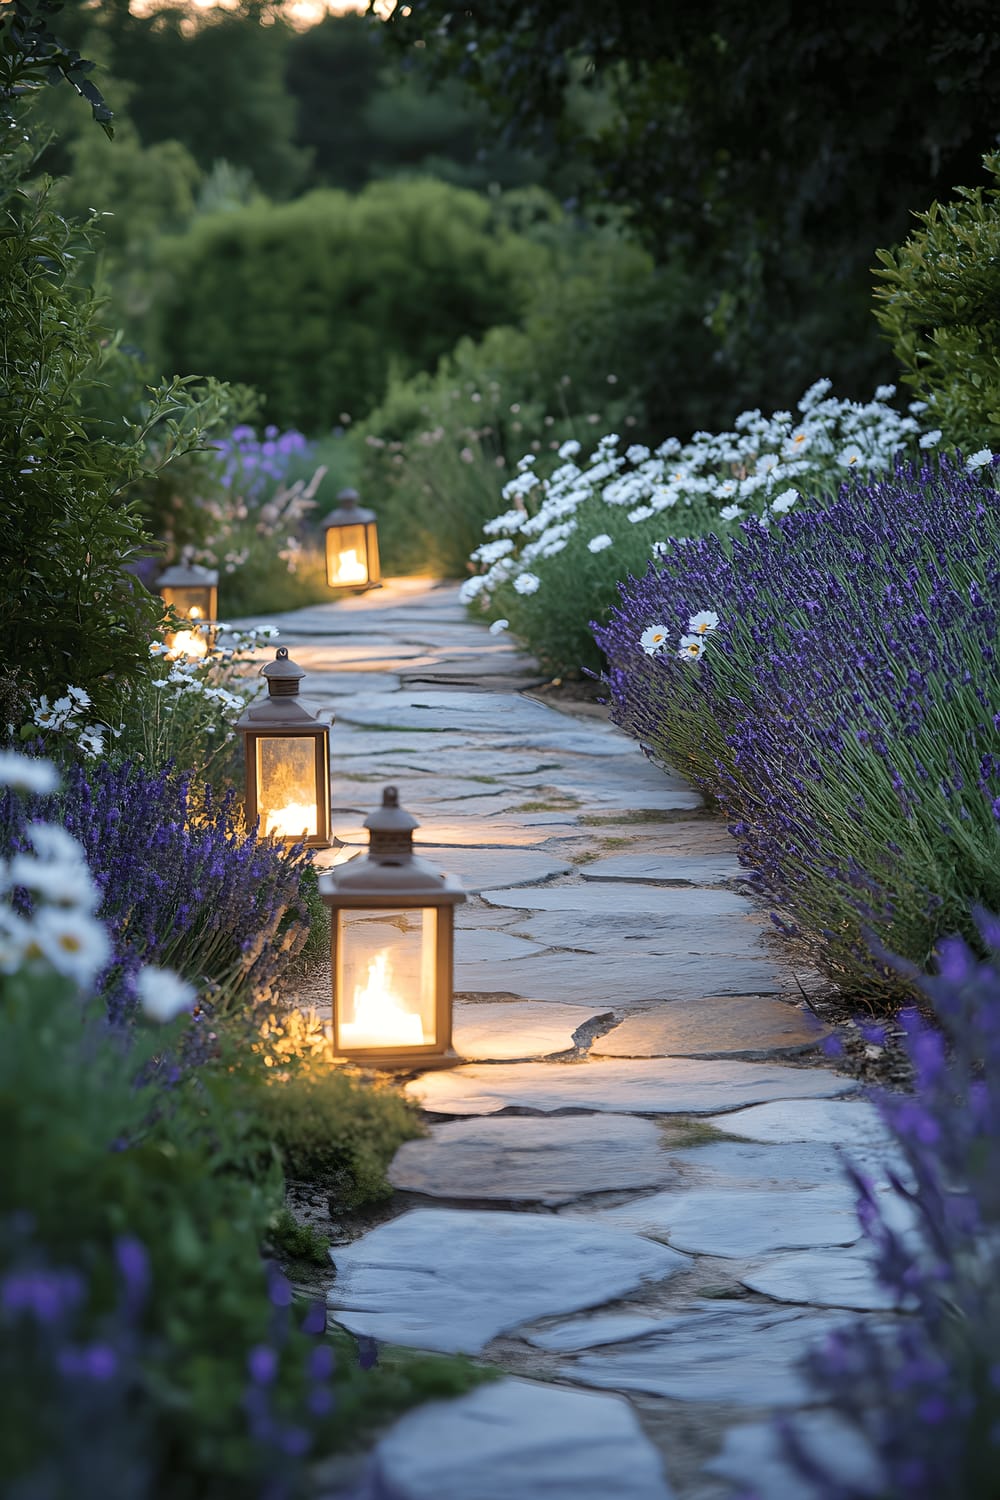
(776, 146)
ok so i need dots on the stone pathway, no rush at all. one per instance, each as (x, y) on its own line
(632, 1187)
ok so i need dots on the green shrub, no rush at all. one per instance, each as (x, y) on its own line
(69, 610)
(938, 302)
(313, 302)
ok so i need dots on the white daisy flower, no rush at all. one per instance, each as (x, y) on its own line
(157, 648)
(931, 439)
(527, 583)
(702, 623)
(784, 501)
(80, 696)
(691, 647)
(978, 460)
(62, 883)
(499, 626)
(73, 943)
(27, 773)
(91, 740)
(569, 449)
(163, 995)
(599, 543)
(730, 512)
(653, 639)
(851, 457)
(641, 513)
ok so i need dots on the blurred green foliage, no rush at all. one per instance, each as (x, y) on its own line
(314, 301)
(938, 301)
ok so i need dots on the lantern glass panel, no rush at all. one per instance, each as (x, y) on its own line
(197, 604)
(287, 801)
(347, 561)
(387, 979)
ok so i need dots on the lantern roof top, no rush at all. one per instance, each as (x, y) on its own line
(348, 512)
(282, 709)
(390, 872)
(188, 575)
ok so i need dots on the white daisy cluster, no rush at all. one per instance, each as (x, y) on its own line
(66, 715)
(62, 932)
(655, 639)
(759, 468)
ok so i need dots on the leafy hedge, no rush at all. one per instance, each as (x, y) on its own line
(314, 302)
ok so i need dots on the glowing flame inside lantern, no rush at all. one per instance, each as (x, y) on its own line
(190, 643)
(291, 821)
(379, 1018)
(349, 569)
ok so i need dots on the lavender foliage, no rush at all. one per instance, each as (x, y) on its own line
(845, 712)
(252, 466)
(924, 1390)
(183, 886)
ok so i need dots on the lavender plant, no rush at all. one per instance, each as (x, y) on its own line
(924, 1391)
(180, 884)
(843, 710)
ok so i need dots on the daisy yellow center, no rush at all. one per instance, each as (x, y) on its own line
(70, 943)
(701, 628)
(800, 437)
(693, 648)
(32, 950)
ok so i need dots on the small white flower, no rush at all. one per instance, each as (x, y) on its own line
(978, 460)
(61, 883)
(884, 392)
(26, 773)
(641, 513)
(527, 583)
(599, 543)
(653, 639)
(91, 740)
(784, 501)
(52, 842)
(569, 449)
(931, 439)
(916, 407)
(163, 995)
(499, 626)
(702, 623)
(73, 942)
(691, 647)
(730, 512)
(851, 457)
(80, 696)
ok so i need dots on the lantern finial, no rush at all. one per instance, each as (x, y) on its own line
(282, 675)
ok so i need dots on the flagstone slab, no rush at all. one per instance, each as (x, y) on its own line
(337, 682)
(472, 837)
(452, 1279)
(739, 1353)
(573, 741)
(497, 1031)
(657, 1086)
(517, 1440)
(488, 945)
(745, 1164)
(722, 1026)
(753, 1458)
(821, 1278)
(736, 1223)
(524, 1158)
(642, 934)
(653, 902)
(845, 1123)
(590, 1331)
(586, 979)
(677, 869)
(474, 713)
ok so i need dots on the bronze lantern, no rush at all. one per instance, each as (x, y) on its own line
(287, 754)
(352, 545)
(392, 926)
(193, 593)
